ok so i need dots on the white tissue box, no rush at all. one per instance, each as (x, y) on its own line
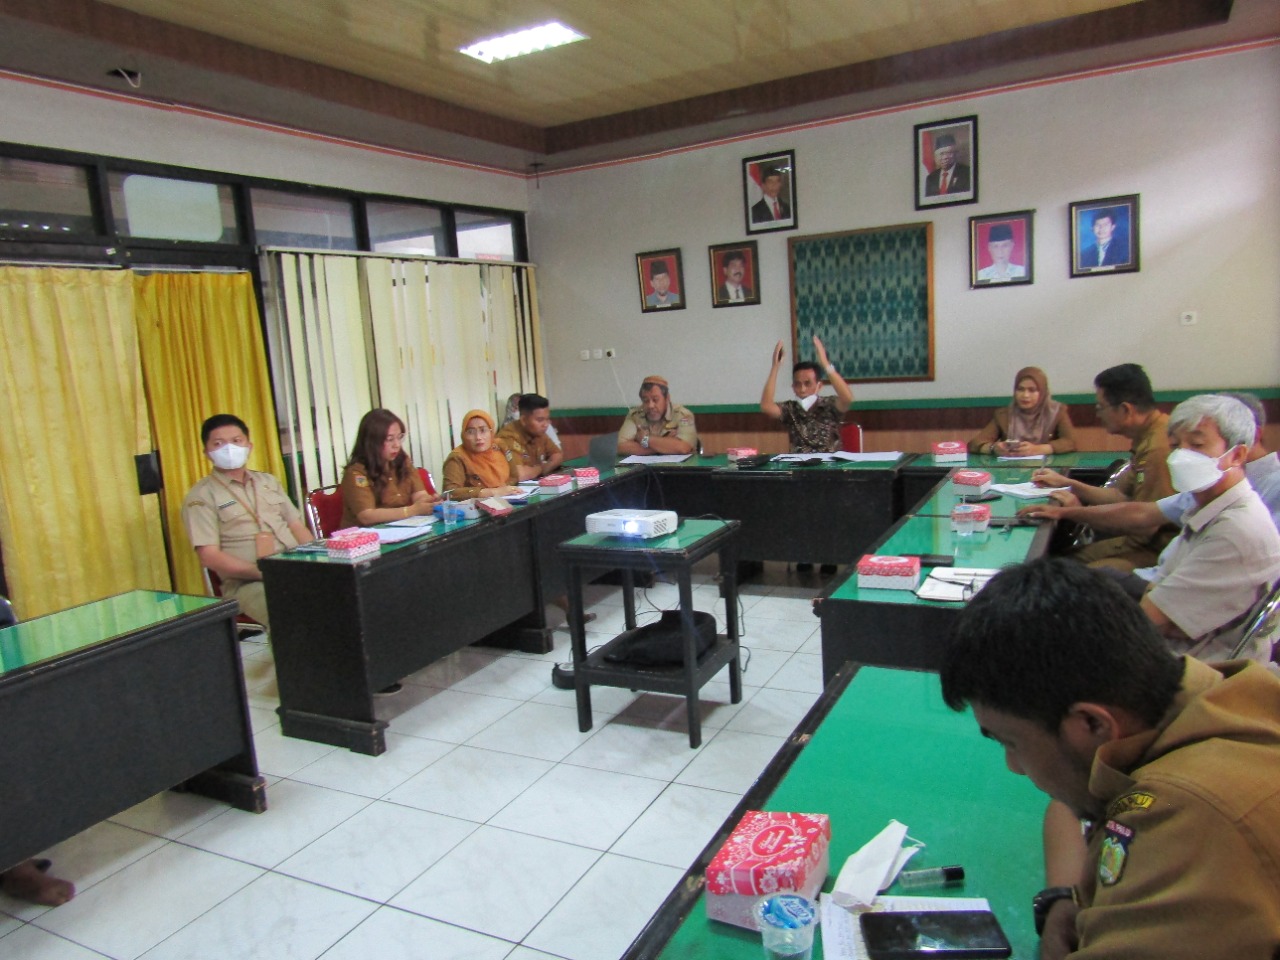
(950, 451)
(767, 853)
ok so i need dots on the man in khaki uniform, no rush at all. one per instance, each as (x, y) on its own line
(657, 425)
(235, 516)
(526, 442)
(1127, 407)
(1170, 762)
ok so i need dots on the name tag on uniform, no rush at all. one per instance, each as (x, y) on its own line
(223, 506)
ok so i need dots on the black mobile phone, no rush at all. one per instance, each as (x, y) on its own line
(950, 934)
(934, 559)
(987, 497)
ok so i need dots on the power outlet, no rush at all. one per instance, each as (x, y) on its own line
(598, 353)
(610, 353)
(1188, 318)
(584, 354)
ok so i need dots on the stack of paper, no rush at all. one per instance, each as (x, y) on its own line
(954, 583)
(1025, 491)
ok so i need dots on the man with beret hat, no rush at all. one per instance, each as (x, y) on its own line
(657, 425)
(1000, 246)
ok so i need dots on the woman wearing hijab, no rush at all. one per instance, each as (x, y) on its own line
(1034, 423)
(380, 483)
(476, 468)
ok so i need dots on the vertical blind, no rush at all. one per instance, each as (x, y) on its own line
(428, 339)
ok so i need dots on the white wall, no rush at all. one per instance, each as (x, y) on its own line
(1197, 140)
(52, 116)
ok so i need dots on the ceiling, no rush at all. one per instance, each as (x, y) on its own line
(655, 74)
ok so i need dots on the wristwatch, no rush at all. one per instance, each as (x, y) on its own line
(644, 441)
(1045, 899)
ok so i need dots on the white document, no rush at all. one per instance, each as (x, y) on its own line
(955, 584)
(418, 521)
(1029, 456)
(881, 456)
(1025, 491)
(397, 534)
(842, 935)
(522, 494)
(660, 458)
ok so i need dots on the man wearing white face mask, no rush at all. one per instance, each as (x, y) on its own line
(1228, 554)
(234, 516)
(812, 421)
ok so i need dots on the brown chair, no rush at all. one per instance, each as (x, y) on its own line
(427, 482)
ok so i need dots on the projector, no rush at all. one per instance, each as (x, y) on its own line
(641, 524)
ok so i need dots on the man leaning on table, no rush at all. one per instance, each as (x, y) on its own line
(1127, 407)
(657, 426)
(236, 516)
(1171, 763)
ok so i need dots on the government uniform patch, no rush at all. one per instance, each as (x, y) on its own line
(1130, 801)
(1114, 853)
(361, 480)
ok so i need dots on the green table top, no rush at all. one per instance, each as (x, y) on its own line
(923, 534)
(44, 638)
(1087, 459)
(720, 461)
(830, 465)
(890, 749)
(946, 495)
(687, 535)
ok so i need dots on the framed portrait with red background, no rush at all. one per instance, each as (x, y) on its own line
(1000, 249)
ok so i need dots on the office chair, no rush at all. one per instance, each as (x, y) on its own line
(1084, 534)
(1258, 639)
(7, 617)
(247, 627)
(851, 438)
(603, 450)
(324, 510)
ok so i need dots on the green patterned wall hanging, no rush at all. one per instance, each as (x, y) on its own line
(869, 295)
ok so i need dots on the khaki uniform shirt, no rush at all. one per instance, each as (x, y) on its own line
(461, 484)
(524, 448)
(358, 494)
(1225, 559)
(677, 423)
(1062, 435)
(220, 512)
(1185, 863)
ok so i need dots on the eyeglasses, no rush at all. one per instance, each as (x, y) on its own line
(218, 444)
(396, 437)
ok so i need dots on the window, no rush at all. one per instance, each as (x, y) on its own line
(48, 199)
(164, 208)
(300, 220)
(485, 236)
(406, 228)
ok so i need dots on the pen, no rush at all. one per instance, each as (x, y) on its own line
(932, 877)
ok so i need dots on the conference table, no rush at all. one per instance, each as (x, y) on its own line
(342, 630)
(922, 472)
(108, 703)
(879, 745)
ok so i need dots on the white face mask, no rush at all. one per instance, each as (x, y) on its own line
(1191, 472)
(230, 456)
(809, 401)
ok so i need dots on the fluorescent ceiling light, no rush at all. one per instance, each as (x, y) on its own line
(517, 44)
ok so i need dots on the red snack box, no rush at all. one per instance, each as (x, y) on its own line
(736, 453)
(767, 853)
(586, 476)
(494, 506)
(973, 481)
(351, 543)
(888, 573)
(555, 483)
(950, 451)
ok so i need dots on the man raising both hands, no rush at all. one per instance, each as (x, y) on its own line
(812, 421)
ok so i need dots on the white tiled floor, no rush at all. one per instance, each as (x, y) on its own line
(491, 829)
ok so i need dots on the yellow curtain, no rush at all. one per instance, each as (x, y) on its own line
(202, 353)
(72, 524)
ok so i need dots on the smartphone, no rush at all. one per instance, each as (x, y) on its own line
(950, 934)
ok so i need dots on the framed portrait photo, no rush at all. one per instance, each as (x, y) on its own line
(946, 162)
(1000, 249)
(769, 192)
(661, 280)
(735, 274)
(1104, 236)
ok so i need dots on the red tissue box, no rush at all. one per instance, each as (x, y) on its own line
(950, 451)
(972, 481)
(555, 483)
(352, 542)
(586, 476)
(767, 853)
(888, 573)
(737, 453)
